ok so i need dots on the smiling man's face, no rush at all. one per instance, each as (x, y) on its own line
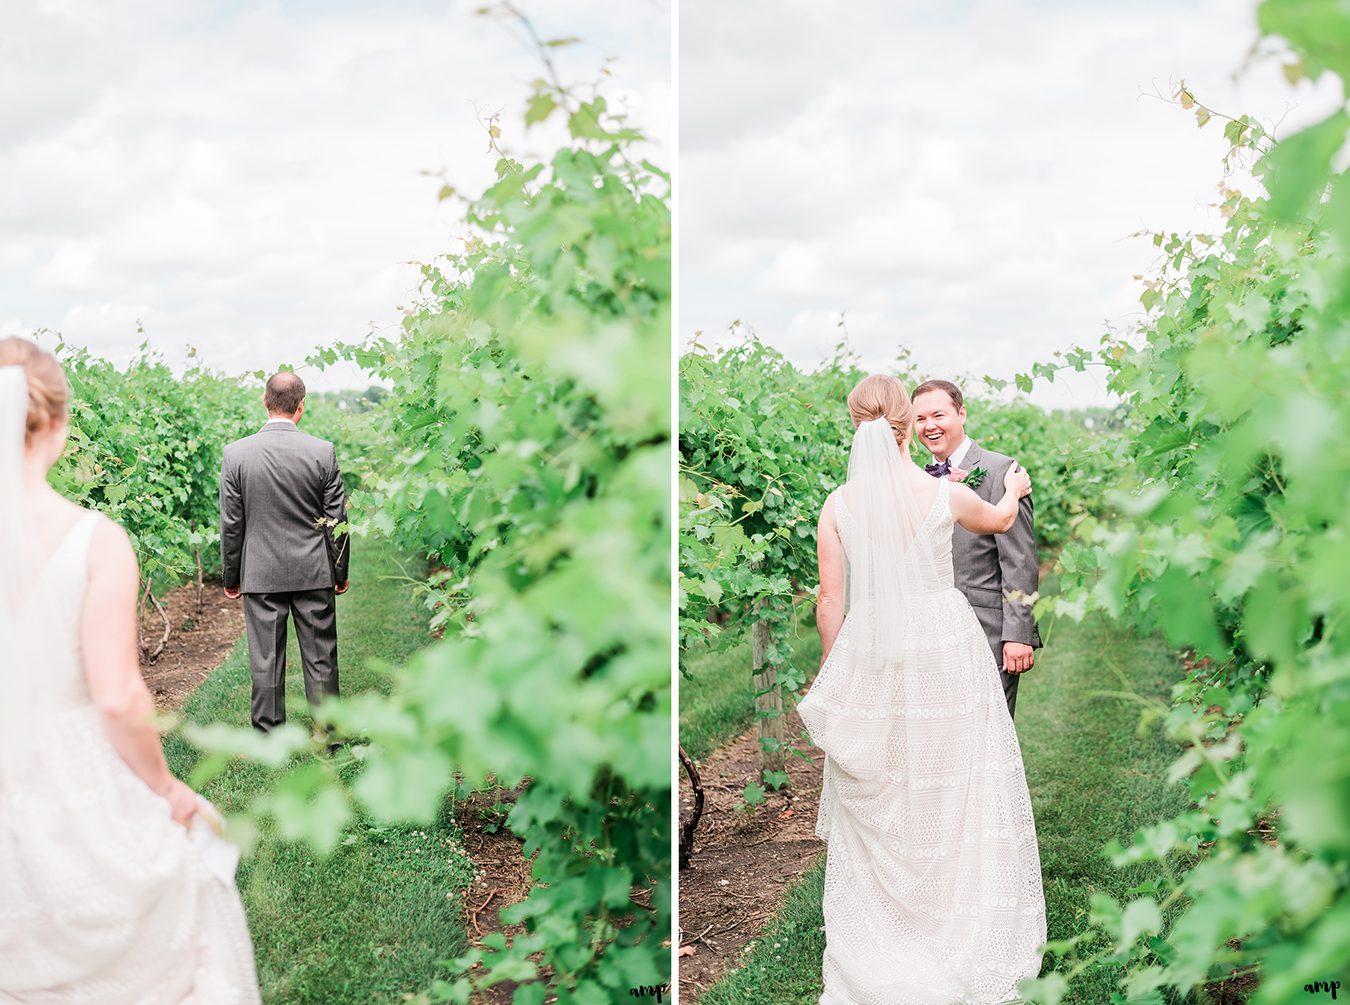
(938, 424)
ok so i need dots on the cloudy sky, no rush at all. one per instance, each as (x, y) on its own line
(960, 177)
(248, 176)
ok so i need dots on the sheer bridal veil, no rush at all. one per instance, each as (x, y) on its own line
(891, 565)
(15, 541)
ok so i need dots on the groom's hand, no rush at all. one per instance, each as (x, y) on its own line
(341, 587)
(1018, 657)
(234, 594)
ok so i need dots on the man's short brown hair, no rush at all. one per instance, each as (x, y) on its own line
(285, 391)
(952, 391)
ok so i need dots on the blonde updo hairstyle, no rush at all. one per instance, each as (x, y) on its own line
(878, 396)
(48, 392)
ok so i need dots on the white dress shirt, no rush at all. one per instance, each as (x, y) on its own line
(959, 453)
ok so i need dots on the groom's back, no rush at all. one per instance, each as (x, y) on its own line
(276, 488)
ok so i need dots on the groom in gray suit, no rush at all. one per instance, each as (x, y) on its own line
(988, 567)
(281, 494)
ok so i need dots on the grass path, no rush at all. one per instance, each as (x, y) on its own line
(368, 924)
(1092, 778)
(715, 706)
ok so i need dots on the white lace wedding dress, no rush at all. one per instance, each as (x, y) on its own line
(933, 882)
(103, 899)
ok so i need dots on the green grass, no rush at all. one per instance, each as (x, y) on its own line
(1092, 778)
(370, 922)
(717, 701)
(783, 964)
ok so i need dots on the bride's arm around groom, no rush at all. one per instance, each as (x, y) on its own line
(969, 511)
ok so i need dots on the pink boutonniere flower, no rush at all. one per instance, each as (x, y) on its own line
(957, 474)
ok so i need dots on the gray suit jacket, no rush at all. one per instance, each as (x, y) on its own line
(280, 495)
(989, 566)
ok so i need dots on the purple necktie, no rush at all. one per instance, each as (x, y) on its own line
(939, 470)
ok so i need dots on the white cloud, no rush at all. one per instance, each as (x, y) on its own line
(256, 179)
(960, 177)
(108, 322)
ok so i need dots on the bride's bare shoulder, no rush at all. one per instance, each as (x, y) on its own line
(827, 508)
(110, 546)
(55, 516)
(924, 486)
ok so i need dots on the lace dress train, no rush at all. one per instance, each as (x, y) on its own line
(933, 889)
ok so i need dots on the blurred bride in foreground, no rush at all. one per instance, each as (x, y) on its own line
(103, 896)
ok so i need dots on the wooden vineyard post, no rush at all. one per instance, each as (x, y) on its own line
(769, 722)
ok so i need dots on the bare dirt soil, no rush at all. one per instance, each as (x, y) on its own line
(742, 862)
(504, 874)
(198, 642)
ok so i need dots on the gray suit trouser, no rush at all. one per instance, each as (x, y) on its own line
(991, 620)
(265, 614)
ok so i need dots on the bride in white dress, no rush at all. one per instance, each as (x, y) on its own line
(933, 880)
(103, 898)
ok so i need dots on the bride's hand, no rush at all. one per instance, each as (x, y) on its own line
(182, 802)
(1017, 481)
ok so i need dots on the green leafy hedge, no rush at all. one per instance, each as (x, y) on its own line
(1233, 541)
(145, 448)
(530, 422)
